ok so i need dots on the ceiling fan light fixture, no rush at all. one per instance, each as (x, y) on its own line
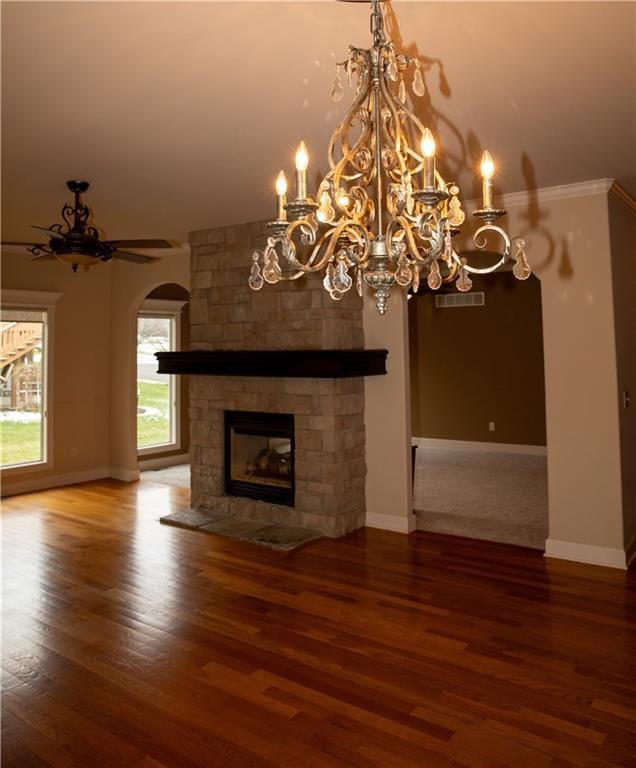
(76, 260)
(77, 243)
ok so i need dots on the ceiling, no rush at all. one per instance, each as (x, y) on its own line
(181, 113)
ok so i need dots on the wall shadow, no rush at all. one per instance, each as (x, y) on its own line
(463, 154)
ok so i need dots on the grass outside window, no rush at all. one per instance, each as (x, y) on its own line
(153, 418)
(21, 442)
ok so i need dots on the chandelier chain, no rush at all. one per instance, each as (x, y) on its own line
(377, 24)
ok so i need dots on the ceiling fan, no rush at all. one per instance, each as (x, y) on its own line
(77, 243)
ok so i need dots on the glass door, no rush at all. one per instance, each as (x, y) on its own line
(156, 392)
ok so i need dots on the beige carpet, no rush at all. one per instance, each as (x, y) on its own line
(494, 496)
(178, 475)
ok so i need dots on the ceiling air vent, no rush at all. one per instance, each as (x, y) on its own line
(447, 300)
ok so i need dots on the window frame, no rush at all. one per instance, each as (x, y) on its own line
(171, 309)
(45, 302)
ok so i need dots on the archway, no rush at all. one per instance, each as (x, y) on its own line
(478, 411)
(162, 422)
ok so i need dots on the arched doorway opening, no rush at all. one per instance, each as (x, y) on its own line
(162, 422)
(478, 411)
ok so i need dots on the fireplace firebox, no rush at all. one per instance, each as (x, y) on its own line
(259, 456)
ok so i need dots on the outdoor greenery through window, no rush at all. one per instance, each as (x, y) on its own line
(22, 386)
(155, 391)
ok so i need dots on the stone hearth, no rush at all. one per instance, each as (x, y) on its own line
(226, 314)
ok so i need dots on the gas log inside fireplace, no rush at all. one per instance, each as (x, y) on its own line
(259, 456)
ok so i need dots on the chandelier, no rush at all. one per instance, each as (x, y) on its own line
(383, 215)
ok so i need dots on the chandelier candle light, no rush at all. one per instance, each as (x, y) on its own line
(371, 222)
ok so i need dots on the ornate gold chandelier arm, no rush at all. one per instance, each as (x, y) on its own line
(331, 237)
(401, 139)
(395, 141)
(481, 242)
(401, 224)
(346, 124)
(361, 172)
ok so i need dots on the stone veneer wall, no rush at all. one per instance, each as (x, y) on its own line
(225, 313)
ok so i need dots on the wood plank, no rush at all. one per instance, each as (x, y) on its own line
(131, 643)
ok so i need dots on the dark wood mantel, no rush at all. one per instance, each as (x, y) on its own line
(312, 364)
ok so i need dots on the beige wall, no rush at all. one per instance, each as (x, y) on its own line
(93, 406)
(80, 402)
(475, 365)
(568, 244)
(622, 219)
(569, 248)
(389, 498)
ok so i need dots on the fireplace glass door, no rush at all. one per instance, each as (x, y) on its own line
(259, 456)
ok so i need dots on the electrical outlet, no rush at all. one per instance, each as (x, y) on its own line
(491, 426)
(73, 453)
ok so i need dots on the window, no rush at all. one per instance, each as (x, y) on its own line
(23, 386)
(157, 394)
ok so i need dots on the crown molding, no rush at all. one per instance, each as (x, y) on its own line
(622, 195)
(560, 192)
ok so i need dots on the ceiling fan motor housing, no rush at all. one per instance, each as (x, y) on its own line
(78, 187)
(78, 243)
(82, 245)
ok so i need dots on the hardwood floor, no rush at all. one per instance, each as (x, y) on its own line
(129, 643)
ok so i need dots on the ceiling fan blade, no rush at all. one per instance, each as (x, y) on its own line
(140, 243)
(16, 242)
(136, 258)
(50, 232)
(45, 257)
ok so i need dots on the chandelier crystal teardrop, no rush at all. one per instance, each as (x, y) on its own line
(383, 215)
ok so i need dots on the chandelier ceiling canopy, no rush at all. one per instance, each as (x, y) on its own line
(383, 215)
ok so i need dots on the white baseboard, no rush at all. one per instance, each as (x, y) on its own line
(162, 462)
(471, 445)
(52, 481)
(11, 488)
(397, 523)
(586, 553)
(127, 475)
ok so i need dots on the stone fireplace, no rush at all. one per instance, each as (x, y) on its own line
(291, 357)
